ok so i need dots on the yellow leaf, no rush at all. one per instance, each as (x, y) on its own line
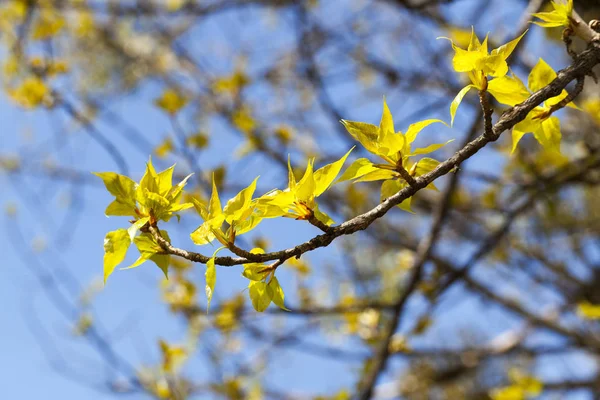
(509, 90)
(277, 295)
(174, 5)
(506, 49)
(199, 140)
(508, 393)
(540, 76)
(460, 36)
(390, 188)
(456, 102)
(587, 310)
(358, 168)
(479, 64)
(172, 357)
(48, 24)
(252, 271)
(425, 165)
(305, 188)
(517, 134)
(116, 244)
(207, 232)
(237, 206)
(377, 175)
(214, 204)
(259, 295)
(324, 176)
(414, 129)
(123, 188)
(387, 122)
(560, 16)
(592, 107)
(150, 250)
(171, 102)
(321, 216)
(163, 149)
(31, 93)
(211, 279)
(243, 120)
(430, 149)
(549, 135)
(366, 134)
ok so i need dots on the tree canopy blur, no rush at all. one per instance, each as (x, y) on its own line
(429, 251)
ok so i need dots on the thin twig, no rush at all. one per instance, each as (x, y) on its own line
(585, 62)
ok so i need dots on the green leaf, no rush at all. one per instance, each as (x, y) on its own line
(259, 295)
(326, 175)
(276, 293)
(116, 244)
(358, 168)
(456, 102)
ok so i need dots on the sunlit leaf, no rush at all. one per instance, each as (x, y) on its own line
(276, 293)
(456, 102)
(259, 295)
(116, 244)
(414, 129)
(560, 16)
(358, 168)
